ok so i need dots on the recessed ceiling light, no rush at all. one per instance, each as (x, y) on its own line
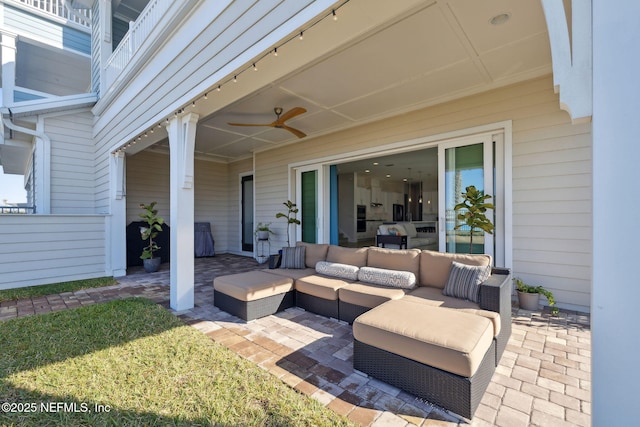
(388, 176)
(367, 170)
(500, 19)
(375, 163)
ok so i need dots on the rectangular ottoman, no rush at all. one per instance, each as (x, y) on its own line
(253, 294)
(442, 355)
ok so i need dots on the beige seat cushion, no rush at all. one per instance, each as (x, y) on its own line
(252, 285)
(369, 295)
(435, 266)
(433, 296)
(450, 340)
(294, 273)
(321, 286)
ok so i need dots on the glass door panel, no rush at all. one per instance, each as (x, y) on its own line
(246, 203)
(463, 165)
(309, 206)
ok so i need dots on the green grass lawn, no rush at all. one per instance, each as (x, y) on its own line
(56, 288)
(144, 367)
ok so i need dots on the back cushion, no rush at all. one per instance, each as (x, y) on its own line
(314, 252)
(411, 229)
(351, 256)
(435, 266)
(394, 259)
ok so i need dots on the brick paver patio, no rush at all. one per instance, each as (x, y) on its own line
(544, 377)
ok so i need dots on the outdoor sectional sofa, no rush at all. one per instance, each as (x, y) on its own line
(433, 324)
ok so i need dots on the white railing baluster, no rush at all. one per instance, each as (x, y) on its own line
(56, 8)
(138, 32)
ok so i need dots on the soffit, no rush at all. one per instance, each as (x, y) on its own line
(436, 52)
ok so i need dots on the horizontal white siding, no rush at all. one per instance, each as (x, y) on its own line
(43, 249)
(205, 46)
(552, 216)
(148, 181)
(72, 163)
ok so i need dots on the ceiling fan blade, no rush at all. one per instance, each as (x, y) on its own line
(296, 111)
(296, 132)
(251, 124)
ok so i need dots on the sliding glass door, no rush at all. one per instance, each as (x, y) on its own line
(463, 164)
(246, 206)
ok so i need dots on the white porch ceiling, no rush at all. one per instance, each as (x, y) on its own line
(441, 50)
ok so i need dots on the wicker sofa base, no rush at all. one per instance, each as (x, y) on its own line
(317, 305)
(457, 394)
(349, 312)
(250, 310)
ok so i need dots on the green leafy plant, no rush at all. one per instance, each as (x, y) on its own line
(290, 216)
(521, 286)
(264, 227)
(154, 226)
(474, 207)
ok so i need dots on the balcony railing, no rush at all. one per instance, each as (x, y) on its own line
(138, 32)
(17, 209)
(81, 17)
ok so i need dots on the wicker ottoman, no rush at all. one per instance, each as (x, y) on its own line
(253, 294)
(441, 355)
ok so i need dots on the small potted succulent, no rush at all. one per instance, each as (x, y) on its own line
(150, 232)
(529, 296)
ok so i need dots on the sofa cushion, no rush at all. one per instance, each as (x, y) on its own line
(293, 257)
(433, 296)
(314, 252)
(386, 277)
(369, 295)
(450, 340)
(321, 286)
(252, 285)
(464, 281)
(336, 269)
(394, 259)
(410, 229)
(292, 273)
(435, 266)
(351, 256)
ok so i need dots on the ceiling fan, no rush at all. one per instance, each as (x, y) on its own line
(279, 122)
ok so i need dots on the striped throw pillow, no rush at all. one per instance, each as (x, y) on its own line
(293, 257)
(464, 281)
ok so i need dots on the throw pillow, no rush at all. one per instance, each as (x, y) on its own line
(384, 277)
(293, 257)
(336, 269)
(464, 281)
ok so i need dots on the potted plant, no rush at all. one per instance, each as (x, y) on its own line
(150, 232)
(473, 216)
(290, 216)
(263, 231)
(529, 296)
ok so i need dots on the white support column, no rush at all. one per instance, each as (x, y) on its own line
(104, 40)
(8, 67)
(117, 221)
(182, 137)
(616, 150)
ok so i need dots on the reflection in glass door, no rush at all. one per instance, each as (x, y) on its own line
(246, 203)
(463, 165)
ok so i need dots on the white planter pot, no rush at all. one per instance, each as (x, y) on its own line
(263, 235)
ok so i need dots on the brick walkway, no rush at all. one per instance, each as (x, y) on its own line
(543, 378)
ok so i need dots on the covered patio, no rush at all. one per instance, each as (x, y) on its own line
(544, 377)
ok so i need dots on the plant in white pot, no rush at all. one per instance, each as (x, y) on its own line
(150, 232)
(529, 296)
(263, 231)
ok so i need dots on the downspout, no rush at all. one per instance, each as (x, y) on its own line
(43, 145)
